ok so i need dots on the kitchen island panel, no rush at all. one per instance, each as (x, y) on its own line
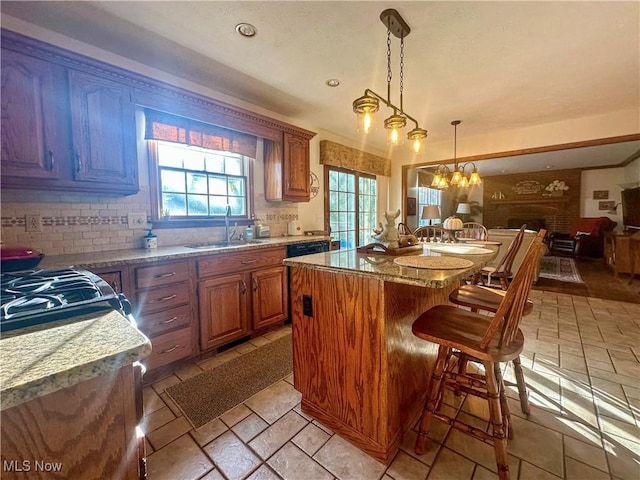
(87, 431)
(359, 368)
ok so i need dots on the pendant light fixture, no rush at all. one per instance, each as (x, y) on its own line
(444, 177)
(366, 106)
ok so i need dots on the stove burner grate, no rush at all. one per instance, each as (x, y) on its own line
(34, 297)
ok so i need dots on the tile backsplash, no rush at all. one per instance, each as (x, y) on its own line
(80, 223)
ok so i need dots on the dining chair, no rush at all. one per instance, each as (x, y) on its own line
(502, 271)
(474, 230)
(429, 233)
(489, 339)
(403, 229)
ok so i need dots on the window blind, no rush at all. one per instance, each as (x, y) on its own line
(173, 128)
(338, 155)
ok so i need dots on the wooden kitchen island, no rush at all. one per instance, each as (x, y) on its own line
(359, 368)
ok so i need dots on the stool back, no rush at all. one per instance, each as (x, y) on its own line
(507, 318)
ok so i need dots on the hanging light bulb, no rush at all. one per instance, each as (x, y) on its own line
(394, 125)
(436, 179)
(417, 136)
(457, 176)
(464, 182)
(475, 179)
(365, 108)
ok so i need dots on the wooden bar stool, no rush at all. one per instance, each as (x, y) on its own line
(477, 297)
(491, 340)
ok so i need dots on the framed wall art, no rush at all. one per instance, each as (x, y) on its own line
(411, 206)
(608, 205)
(601, 195)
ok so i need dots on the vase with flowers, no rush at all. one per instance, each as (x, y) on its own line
(556, 188)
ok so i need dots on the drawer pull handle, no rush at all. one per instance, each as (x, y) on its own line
(247, 262)
(171, 320)
(255, 285)
(164, 299)
(164, 275)
(169, 350)
(244, 287)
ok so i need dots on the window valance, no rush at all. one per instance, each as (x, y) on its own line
(338, 155)
(173, 128)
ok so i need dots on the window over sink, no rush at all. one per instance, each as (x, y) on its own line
(197, 169)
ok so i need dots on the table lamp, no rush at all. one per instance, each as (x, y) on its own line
(464, 208)
(430, 212)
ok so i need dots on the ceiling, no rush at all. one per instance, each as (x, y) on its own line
(495, 65)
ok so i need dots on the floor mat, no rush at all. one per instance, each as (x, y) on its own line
(206, 396)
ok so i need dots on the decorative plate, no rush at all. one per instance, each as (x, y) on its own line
(435, 263)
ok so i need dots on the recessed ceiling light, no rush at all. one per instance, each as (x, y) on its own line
(246, 29)
(503, 171)
(548, 167)
(333, 82)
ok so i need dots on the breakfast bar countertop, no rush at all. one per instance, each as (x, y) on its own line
(382, 266)
(43, 359)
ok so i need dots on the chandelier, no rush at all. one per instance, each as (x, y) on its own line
(367, 105)
(444, 177)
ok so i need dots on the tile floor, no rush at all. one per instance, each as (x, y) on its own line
(582, 367)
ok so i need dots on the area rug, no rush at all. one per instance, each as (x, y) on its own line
(559, 268)
(207, 396)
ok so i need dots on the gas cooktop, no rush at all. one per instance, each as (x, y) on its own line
(34, 297)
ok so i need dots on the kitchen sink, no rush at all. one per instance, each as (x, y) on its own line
(223, 244)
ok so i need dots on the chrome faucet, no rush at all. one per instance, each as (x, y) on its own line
(227, 214)
(229, 235)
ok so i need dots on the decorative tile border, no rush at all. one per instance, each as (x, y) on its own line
(68, 221)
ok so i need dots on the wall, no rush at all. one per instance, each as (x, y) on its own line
(613, 180)
(525, 198)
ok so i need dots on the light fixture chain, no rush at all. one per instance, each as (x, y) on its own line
(401, 71)
(388, 65)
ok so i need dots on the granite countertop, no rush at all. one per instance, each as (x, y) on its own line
(43, 359)
(383, 267)
(112, 258)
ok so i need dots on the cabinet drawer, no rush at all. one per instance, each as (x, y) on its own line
(162, 298)
(153, 324)
(157, 275)
(234, 262)
(169, 347)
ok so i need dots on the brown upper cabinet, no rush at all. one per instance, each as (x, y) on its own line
(287, 171)
(68, 123)
(104, 131)
(35, 136)
(64, 129)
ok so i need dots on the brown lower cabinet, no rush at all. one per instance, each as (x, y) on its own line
(164, 307)
(85, 431)
(237, 295)
(240, 293)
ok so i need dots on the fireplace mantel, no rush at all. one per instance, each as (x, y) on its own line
(530, 201)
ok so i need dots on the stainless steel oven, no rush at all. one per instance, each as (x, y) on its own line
(35, 297)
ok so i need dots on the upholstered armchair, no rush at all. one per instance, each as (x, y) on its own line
(586, 238)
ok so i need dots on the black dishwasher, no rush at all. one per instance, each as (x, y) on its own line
(306, 248)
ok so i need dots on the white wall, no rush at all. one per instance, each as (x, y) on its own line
(612, 179)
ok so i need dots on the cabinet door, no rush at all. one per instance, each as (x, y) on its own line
(104, 132)
(223, 310)
(297, 180)
(269, 296)
(34, 130)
